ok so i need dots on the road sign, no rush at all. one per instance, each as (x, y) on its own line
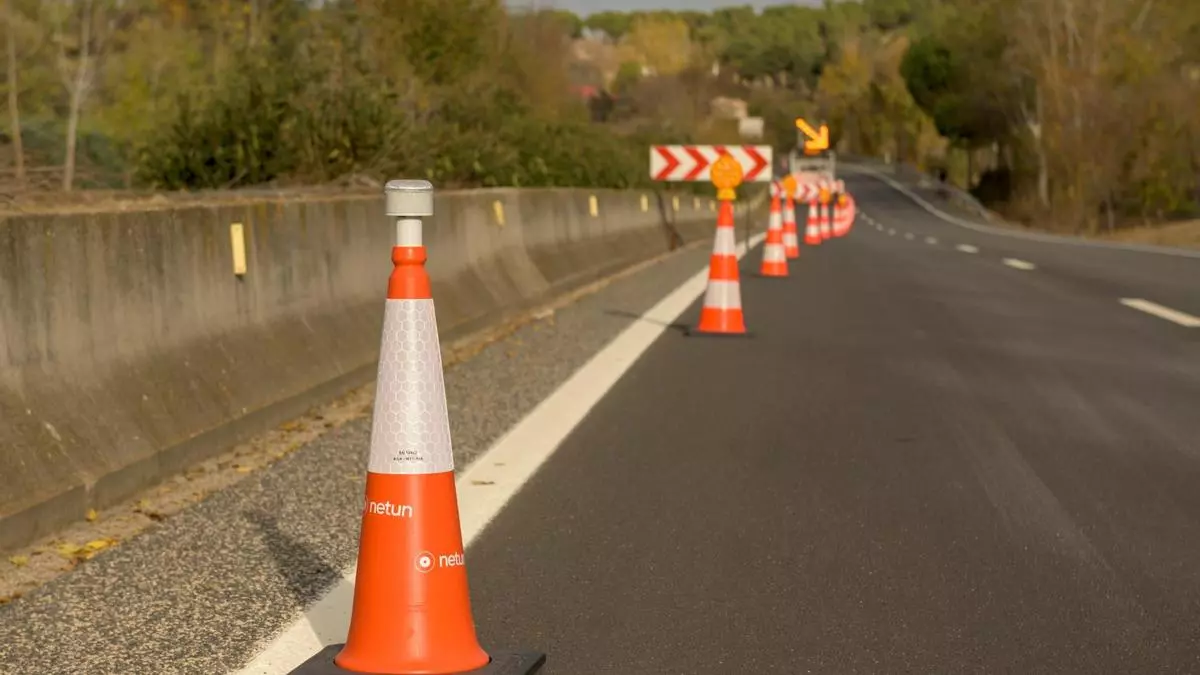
(817, 139)
(693, 163)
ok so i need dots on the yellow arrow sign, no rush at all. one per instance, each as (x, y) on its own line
(817, 140)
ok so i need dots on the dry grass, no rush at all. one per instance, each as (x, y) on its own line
(1184, 234)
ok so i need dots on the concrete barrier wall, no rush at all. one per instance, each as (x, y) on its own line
(130, 350)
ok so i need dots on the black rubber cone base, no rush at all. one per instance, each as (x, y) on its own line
(693, 332)
(502, 663)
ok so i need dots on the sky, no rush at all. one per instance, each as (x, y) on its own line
(585, 7)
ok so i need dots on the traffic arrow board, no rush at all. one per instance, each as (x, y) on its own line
(817, 139)
(693, 163)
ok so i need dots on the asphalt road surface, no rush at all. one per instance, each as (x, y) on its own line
(942, 451)
(926, 461)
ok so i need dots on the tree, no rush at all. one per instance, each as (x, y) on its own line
(615, 24)
(77, 67)
(14, 107)
(660, 43)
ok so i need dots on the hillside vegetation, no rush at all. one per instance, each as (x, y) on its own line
(1082, 111)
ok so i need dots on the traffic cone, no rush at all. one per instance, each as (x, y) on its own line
(791, 242)
(812, 227)
(826, 227)
(412, 610)
(774, 260)
(722, 310)
(841, 216)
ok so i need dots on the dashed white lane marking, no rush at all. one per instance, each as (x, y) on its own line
(1019, 264)
(908, 235)
(967, 248)
(931, 240)
(891, 233)
(492, 480)
(1173, 315)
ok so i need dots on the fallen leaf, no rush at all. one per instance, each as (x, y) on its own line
(243, 469)
(19, 560)
(99, 544)
(66, 550)
(92, 515)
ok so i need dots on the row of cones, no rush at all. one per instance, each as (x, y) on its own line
(411, 611)
(722, 312)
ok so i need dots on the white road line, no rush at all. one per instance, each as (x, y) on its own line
(1173, 315)
(931, 240)
(1019, 264)
(967, 248)
(891, 233)
(908, 235)
(492, 480)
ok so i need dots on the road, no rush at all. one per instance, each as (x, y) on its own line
(943, 450)
(926, 461)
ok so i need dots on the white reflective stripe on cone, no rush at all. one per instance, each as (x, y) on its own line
(790, 238)
(725, 242)
(774, 253)
(410, 433)
(723, 295)
(776, 221)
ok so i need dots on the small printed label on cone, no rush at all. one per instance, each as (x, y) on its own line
(427, 562)
(410, 432)
(386, 508)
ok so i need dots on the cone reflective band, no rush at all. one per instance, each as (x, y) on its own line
(411, 611)
(826, 226)
(812, 226)
(774, 261)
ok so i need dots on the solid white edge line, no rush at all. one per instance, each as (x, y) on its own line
(505, 468)
(1019, 264)
(1016, 234)
(1173, 315)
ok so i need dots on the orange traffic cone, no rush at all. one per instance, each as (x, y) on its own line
(774, 260)
(722, 310)
(841, 215)
(412, 610)
(791, 242)
(826, 226)
(812, 227)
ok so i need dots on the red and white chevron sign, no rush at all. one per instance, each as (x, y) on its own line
(691, 163)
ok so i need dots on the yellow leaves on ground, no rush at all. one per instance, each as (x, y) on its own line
(19, 560)
(75, 553)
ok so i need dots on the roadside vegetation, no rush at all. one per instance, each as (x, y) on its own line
(1081, 116)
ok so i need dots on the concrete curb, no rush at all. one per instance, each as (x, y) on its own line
(130, 350)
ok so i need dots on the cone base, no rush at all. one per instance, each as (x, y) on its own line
(792, 253)
(773, 270)
(696, 332)
(502, 663)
